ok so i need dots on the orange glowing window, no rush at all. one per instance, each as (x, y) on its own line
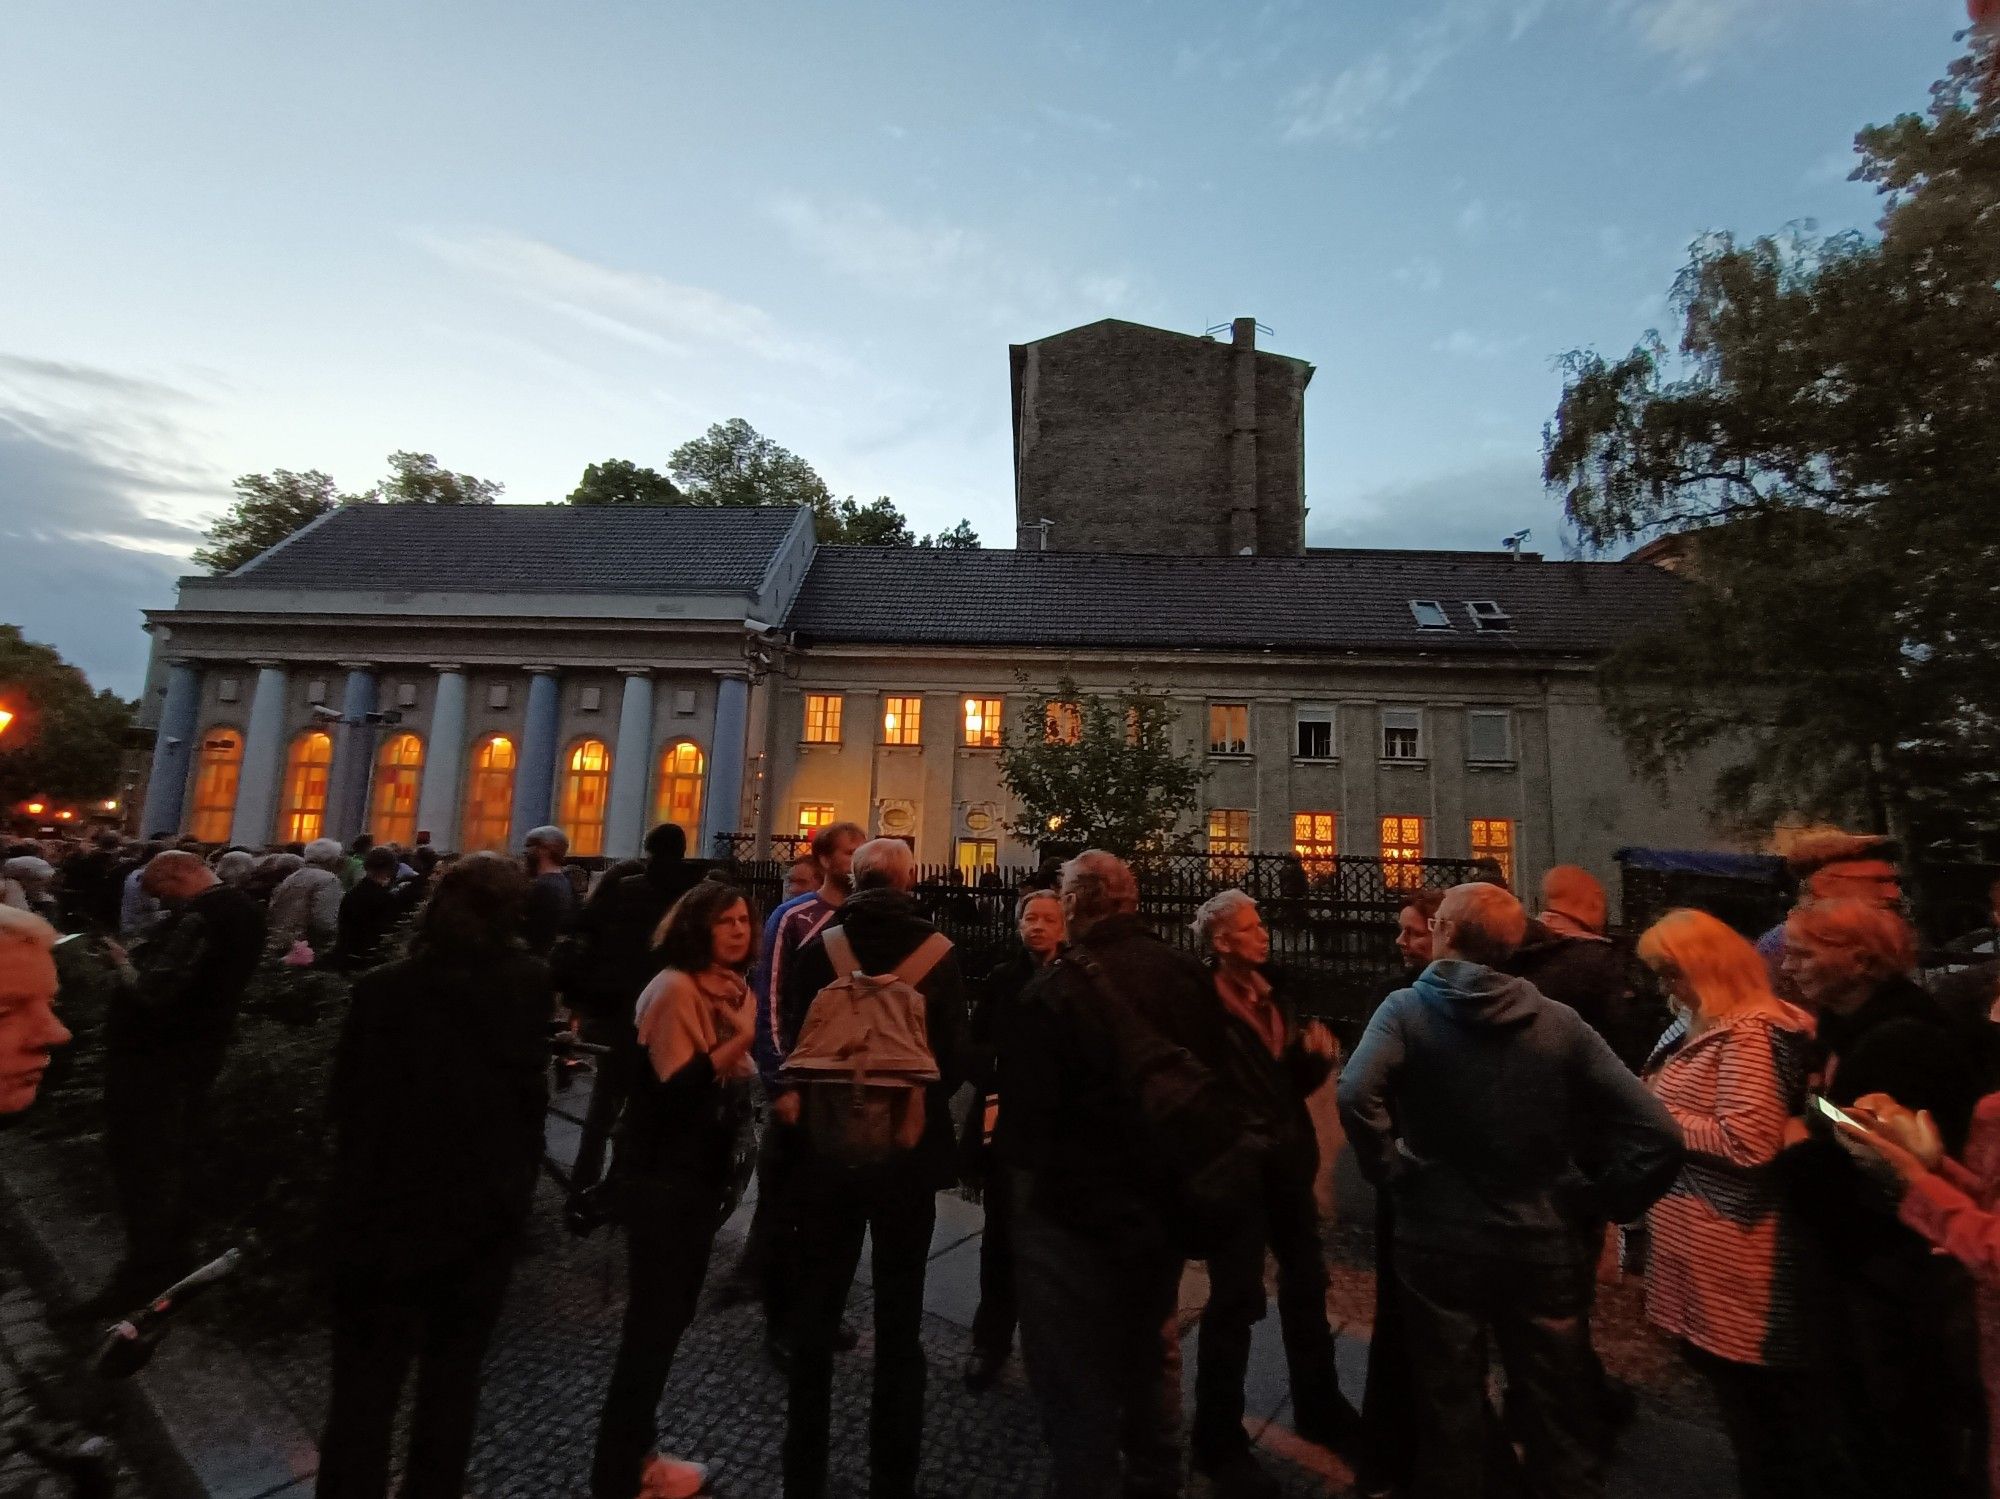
(682, 769)
(489, 795)
(1402, 852)
(982, 722)
(218, 769)
(1316, 841)
(902, 720)
(585, 787)
(307, 765)
(399, 770)
(1493, 838)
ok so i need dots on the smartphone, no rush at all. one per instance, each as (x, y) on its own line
(72, 937)
(1834, 1114)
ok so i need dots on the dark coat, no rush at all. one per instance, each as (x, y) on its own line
(1594, 978)
(613, 961)
(884, 927)
(996, 997)
(1070, 1119)
(191, 971)
(438, 1096)
(1502, 1123)
(369, 916)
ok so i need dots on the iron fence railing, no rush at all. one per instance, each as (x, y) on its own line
(1332, 920)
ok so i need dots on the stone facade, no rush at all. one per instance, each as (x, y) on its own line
(1137, 439)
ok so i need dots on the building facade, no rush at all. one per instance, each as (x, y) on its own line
(461, 674)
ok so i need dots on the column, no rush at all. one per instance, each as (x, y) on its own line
(353, 755)
(444, 759)
(631, 759)
(173, 750)
(535, 773)
(724, 801)
(263, 759)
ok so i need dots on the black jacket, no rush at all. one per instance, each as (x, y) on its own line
(884, 927)
(1594, 978)
(996, 997)
(1071, 1121)
(1272, 1089)
(437, 1102)
(190, 974)
(369, 916)
(613, 940)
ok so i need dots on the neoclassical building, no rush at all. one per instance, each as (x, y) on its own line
(462, 674)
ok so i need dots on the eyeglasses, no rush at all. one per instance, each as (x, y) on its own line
(1438, 923)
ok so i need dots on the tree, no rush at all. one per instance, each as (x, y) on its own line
(1823, 438)
(268, 508)
(877, 524)
(66, 741)
(1096, 770)
(960, 538)
(416, 479)
(734, 464)
(618, 481)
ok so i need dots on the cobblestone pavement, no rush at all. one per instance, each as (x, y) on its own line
(54, 1423)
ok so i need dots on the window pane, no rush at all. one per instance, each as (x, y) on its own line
(1402, 847)
(217, 771)
(1229, 728)
(306, 771)
(902, 720)
(586, 782)
(822, 718)
(1487, 736)
(1429, 614)
(1315, 841)
(398, 774)
(814, 815)
(1493, 838)
(679, 801)
(1402, 734)
(976, 857)
(1064, 723)
(982, 722)
(489, 795)
(1315, 734)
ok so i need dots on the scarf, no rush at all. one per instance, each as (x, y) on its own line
(1249, 1000)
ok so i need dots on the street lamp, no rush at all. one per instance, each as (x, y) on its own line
(5, 719)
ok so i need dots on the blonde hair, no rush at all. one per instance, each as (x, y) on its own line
(24, 928)
(1720, 966)
(1881, 940)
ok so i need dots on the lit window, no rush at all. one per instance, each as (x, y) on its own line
(306, 769)
(1493, 838)
(1402, 733)
(978, 856)
(1315, 732)
(822, 718)
(1064, 723)
(679, 801)
(1229, 835)
(585, 785)
(1489, 736)
(1487, 615)
(903, 720)
(1316, 841)
(982, 722)
(217, 771)
(1429, 614)
(1229, 728)
(399, 770)
(813, 816)
(1402, 851)
(489, 795)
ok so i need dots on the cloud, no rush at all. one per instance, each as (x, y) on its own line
(1422, 273)
(944, 262)
(101, 500)
(1463, 343)
(1469, 508)
(635, 307)
(1692, 32)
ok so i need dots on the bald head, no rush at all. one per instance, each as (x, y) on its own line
(1095, 885)
(1480, 924)
(176, 876)
(1571, 890)
(885, 864)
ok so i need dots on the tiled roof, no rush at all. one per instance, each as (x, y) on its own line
(638, 549)
(1323, 601)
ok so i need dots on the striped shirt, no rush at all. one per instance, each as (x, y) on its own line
(1726, 1259)
(790, 928)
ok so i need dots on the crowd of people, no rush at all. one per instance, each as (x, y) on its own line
(1794, 1140)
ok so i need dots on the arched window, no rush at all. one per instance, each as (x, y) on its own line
(218, 767)
(399, 768)
(489, 795)
(586, 782)
(681, 772)
(306, 767)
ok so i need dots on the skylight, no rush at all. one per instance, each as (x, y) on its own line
(1430, 614)
(1487, 615)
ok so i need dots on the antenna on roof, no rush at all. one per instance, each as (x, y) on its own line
(1515, 542)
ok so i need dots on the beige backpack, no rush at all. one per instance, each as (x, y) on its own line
(863, 1057)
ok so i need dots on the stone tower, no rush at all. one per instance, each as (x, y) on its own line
(1136, 439)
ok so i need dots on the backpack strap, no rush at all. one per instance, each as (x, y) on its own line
(914, 969)
(839, 952)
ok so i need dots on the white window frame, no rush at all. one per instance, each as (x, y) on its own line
(1443, 617)
(1488, 615)
(1506, 755)
(1229, 746)
(1316, 713)
(1403, 719)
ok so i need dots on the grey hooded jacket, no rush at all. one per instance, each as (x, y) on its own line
(1503, 1124)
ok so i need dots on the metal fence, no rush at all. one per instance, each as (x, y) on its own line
(1332, 920)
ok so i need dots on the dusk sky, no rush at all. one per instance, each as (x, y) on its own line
(526, 237)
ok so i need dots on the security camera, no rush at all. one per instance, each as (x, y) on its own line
(325, 714)
(171, 742)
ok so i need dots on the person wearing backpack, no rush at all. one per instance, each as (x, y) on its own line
(874, 1043)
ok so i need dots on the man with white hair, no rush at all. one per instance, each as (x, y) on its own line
(306, 905)
(893, 1201)
(165, 1038)
(29, 1029)
(1507, 1131)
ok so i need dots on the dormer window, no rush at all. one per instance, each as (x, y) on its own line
(1487, 615)
(1429, 614)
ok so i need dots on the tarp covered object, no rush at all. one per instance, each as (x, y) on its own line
(1727, 866)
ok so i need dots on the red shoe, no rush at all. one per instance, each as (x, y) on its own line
(670, 1478)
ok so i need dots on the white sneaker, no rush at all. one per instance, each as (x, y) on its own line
(670, 1478)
